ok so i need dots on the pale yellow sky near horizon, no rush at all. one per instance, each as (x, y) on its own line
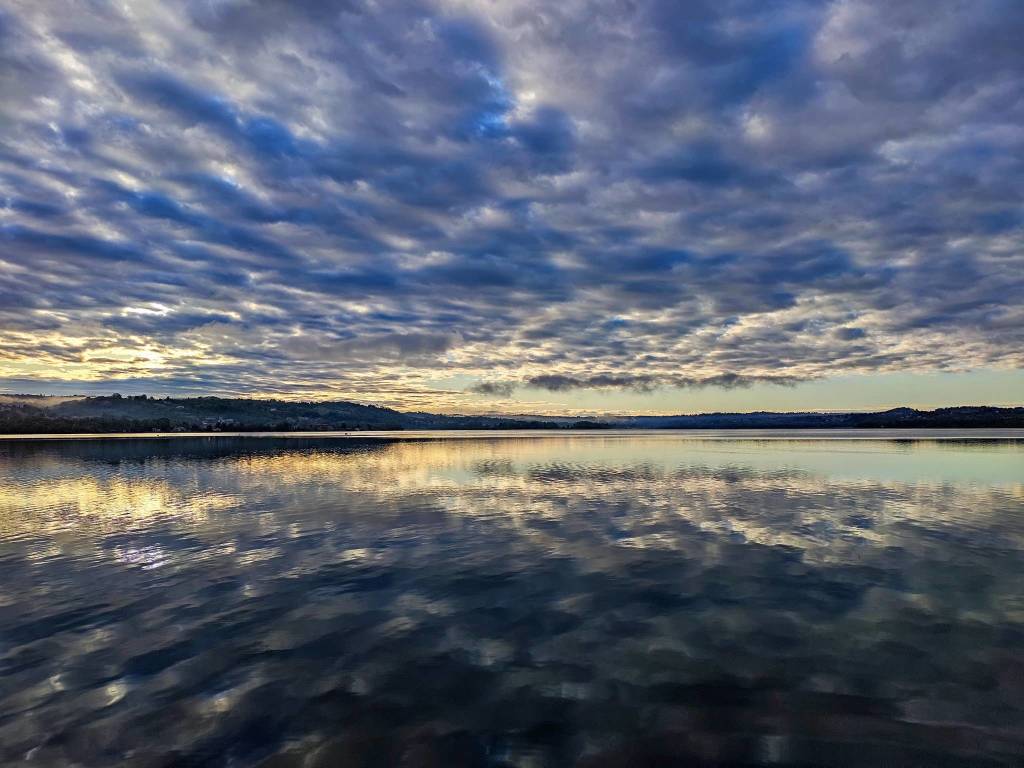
(878, 391)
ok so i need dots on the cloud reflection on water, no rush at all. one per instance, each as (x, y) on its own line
(586, 601)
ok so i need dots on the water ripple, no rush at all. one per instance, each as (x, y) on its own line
(511, 602)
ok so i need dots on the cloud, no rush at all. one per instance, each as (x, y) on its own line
(554, 382)
(850, 334)
(501, 388)
(346, 198)
(636, 382)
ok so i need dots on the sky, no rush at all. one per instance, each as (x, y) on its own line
(645, 206)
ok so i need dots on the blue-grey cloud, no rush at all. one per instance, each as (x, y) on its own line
(367, 198)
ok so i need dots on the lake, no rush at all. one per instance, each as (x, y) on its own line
(531, 600)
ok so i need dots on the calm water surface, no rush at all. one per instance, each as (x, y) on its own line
(598, 600)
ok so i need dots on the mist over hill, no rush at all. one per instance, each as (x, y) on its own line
(32, 414)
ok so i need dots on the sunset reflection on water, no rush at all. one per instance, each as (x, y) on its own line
(591, 600)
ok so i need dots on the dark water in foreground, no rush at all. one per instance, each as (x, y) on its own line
(526, 601)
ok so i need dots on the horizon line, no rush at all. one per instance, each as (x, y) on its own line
(522, 415)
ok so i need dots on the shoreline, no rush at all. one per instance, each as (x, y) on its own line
(810, 433)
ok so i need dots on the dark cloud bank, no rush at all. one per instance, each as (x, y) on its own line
(362, 198)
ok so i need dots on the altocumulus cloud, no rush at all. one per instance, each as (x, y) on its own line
(361, 199)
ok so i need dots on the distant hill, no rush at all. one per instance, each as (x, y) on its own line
(30, 414)
(961, 417)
